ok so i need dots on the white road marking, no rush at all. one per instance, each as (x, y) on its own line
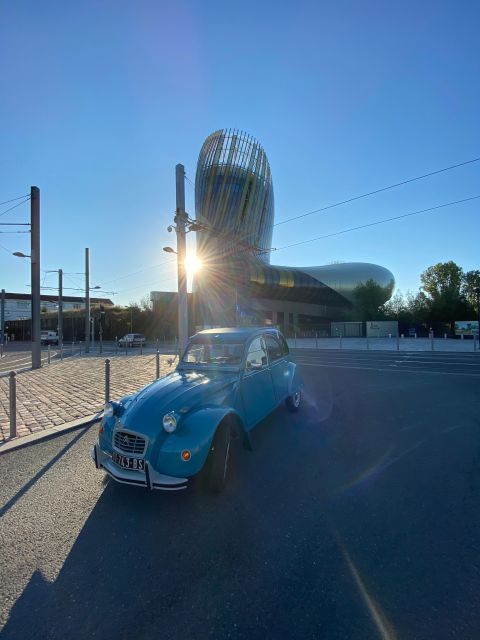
(397, 370)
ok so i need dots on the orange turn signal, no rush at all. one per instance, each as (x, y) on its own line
(186, 455)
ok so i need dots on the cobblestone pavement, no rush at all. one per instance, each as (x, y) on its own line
(72, 389)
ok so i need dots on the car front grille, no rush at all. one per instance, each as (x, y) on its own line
(129, 442)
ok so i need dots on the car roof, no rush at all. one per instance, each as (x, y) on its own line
(239, 334)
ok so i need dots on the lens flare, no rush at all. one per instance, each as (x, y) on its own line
(192, 264)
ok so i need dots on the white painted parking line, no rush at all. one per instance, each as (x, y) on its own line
(403, 361)
(397, 370)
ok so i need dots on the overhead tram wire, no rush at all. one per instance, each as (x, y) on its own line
(150, 282)
(149, 268)
(372, 224)
(371, 193)
(353, 199)
(27, 195)
(6, 249)
(14, 206)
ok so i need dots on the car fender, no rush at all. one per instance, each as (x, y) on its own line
(194, 434)
(295, 380)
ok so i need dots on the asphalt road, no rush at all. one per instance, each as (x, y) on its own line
(356, 518)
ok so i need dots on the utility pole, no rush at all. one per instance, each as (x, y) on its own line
(60, 308)
(87, 300)
(35, 275)
(180, 224)
(2, 317)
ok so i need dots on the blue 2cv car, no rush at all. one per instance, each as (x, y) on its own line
(227, 381)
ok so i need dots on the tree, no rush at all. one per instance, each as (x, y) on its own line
(395, 308)
(418, 307)
(443, 280)
(145, 304)
(369, 297)
(443, 285)
(471, 280)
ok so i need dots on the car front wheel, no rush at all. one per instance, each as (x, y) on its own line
(218, 458)
(293, 402)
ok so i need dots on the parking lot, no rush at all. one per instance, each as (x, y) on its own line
(357, 517)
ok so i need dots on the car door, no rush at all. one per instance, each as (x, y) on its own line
(258, 395)
(279, 367)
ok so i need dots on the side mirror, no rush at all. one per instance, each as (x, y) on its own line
(254, 366)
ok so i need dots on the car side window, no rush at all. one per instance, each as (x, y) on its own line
(285, 348)
(256, 356)
(274, 348)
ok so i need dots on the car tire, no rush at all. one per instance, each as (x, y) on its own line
(294, 401)
(218, 457)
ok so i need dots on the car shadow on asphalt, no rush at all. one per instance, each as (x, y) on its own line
(148, 563)
(28, 485)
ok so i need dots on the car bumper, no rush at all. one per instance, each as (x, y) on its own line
(148, 478)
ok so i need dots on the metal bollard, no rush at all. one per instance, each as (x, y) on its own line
(341, 336)
(107, 380)
(156, 343)
(316, 340)
(1, 350)
(295, 339)
(48, 354)
(13, 403)
(398, 343)
(157, 358)
(61, 352)
(431, 338)
(444, 336)
(368, 344)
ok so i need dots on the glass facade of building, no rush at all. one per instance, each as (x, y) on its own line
(235, 204)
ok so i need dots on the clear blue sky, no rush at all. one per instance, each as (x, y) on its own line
(101, 100)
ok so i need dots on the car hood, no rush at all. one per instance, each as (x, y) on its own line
(180, 391)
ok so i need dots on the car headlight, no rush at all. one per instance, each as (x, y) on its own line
(108, 410)
(169, 422)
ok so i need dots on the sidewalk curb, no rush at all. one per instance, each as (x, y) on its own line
(48, 434)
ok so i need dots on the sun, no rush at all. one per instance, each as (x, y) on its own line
(192, 264)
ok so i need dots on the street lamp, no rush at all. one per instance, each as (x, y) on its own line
(170, 250)
(19, 254)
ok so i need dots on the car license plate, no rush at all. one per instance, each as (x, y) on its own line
(136, 464)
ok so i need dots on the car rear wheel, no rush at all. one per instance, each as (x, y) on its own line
(217, 462)
(293, 402)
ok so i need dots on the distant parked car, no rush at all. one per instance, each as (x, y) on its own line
(133, 340)
(227, 381)
(48, 337)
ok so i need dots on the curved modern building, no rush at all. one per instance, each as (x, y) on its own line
(234, 203)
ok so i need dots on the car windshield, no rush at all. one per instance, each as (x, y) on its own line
(213, 353)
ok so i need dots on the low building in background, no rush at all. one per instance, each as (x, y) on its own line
(18, 306)
(18, 314)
